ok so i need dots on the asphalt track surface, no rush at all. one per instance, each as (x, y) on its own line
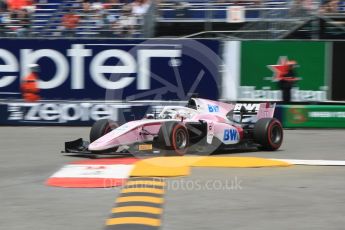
(298, 197)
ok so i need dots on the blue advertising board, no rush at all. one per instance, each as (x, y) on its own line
(77, 113)
(155, 69)
(62, 113)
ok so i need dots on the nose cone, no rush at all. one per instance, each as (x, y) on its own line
(103, 143)
(96, 146)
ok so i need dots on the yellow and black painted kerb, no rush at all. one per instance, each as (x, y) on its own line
(139, 205)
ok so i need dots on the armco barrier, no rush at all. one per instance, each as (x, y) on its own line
(66, 113)
(75, 113)
(85, 113)
(312, 116)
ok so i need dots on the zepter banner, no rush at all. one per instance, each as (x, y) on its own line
(89, 69)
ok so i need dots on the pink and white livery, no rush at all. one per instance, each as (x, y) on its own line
(202, 125)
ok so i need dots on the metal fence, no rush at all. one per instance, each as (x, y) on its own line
(261, 18)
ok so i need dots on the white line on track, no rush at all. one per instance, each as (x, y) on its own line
(313, 162)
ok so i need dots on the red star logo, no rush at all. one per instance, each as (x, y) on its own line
(281, 68)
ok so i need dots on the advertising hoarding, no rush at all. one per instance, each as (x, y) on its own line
(166, 69)
(62, 113)
(313, 116)
(256, 76)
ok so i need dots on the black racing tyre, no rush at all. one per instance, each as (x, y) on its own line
(172, 139)
(268, 132)
(101, 127)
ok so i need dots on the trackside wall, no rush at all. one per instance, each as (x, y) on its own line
(85, 80)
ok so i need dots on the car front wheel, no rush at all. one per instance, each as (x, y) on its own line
(173, 138)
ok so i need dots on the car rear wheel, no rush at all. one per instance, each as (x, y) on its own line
(268, 132)
(172, 139)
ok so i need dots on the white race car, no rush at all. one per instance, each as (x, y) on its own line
(202, 125)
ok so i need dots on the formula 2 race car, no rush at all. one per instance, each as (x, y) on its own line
(202, 125)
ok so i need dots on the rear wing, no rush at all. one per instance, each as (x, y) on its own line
(254, 111)
(266, 110)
